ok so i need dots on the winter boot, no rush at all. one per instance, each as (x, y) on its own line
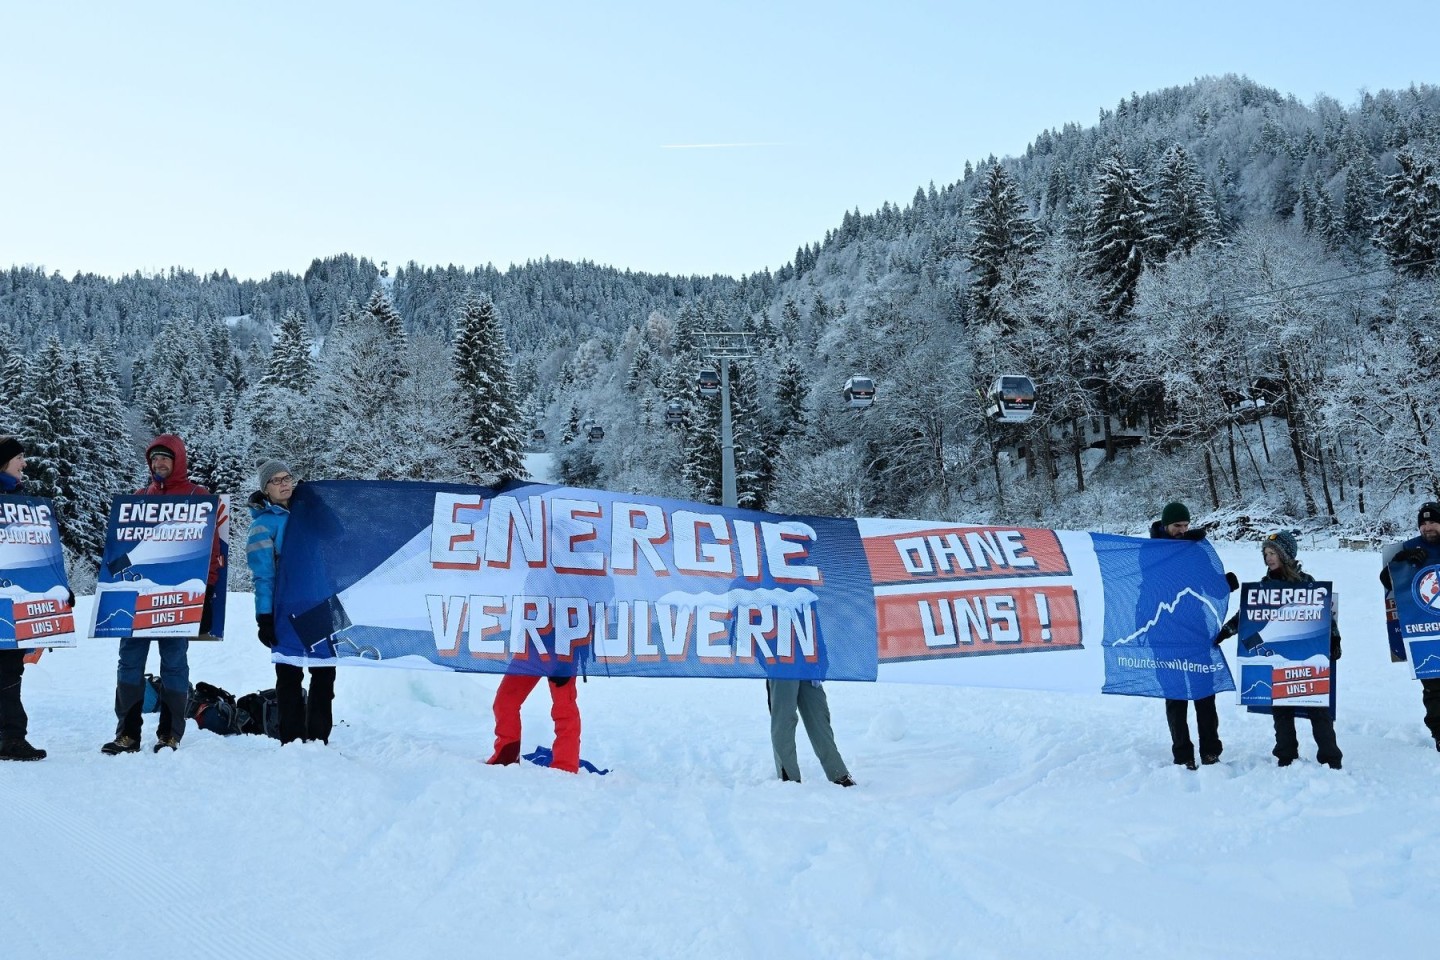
(123, 743)
(506, 755)
(162, 742)
(19, 749)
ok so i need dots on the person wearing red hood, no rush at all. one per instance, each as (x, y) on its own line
(169, 477)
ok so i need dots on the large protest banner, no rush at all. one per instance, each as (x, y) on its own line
(152, 580)
(1284, 644)
(553, 580)
(34, 594)
(1417, 605)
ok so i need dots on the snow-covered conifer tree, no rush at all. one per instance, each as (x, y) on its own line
(1183, 216)
(490, 444)
(1409, 229)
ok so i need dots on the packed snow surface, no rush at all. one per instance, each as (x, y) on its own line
(986, 823)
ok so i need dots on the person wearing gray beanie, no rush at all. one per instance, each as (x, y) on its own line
(301, 717)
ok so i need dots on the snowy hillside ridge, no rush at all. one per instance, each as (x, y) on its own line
(986, 823)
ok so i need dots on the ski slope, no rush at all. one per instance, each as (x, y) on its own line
(986, 823)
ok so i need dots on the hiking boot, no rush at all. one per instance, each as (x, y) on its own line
(1333, 764)
(19, 749)
(786, 778)
(162, 742)
(121, 744)
(1284, 761)
(845, 781)
(1209, 758)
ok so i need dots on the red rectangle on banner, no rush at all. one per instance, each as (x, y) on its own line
(961, 623)
(965, 553)
(40, 627)
(170, 617)
(1305, 680)
(167, 600)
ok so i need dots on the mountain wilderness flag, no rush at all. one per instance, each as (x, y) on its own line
(539, 579)
(153, 573)
(34, 593)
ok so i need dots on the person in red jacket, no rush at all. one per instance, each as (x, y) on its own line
(169, 477)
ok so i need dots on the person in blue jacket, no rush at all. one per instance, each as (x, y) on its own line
(301, 717)
(1424, 551)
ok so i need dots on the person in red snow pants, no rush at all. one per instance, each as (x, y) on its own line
(514, 688)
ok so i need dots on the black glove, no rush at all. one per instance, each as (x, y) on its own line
(1194, 533)
(70, 599)
(560, 681)
(1415, 555)
(1226, 632)
(266, 624)
(1334, 647)
(1232, 581)
(1385, 578)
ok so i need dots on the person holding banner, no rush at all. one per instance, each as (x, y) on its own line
(784, 698)
(169, 477)
(1174, 524)
(564, 710)
(1279, 551)
(14, 723)
(301, 717)
(1424, 551)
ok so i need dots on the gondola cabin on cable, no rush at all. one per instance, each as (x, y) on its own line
(709, 382)
(859, 392)
(537, 436)
(674, 414)
(595, 432)
(1011, 399)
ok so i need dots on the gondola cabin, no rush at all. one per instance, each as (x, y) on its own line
(859, 392)
(709, 382)
(537, 436)
(674, 414)
(1011, 400)
(596, 433)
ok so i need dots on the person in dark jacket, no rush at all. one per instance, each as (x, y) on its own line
(301, 717)
(1282, 568)
(1423, 551)
(1174, 524)
(169, 477)
(14, 723)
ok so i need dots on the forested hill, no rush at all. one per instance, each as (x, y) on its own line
(1222, 295)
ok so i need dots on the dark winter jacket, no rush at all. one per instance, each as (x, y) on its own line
(1158, 532)
(179, 484)
(1416, 546)
(264, 547)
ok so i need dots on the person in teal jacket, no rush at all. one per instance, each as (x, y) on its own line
(301, 717)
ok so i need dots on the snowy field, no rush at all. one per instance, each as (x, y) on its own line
(987, 823)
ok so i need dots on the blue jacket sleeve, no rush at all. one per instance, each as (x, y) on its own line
(260, 554)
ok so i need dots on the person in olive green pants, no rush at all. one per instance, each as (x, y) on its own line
(807, 696)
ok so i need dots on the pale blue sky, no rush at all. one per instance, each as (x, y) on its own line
(256, 136)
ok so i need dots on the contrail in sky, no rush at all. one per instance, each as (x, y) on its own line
(714, 146)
